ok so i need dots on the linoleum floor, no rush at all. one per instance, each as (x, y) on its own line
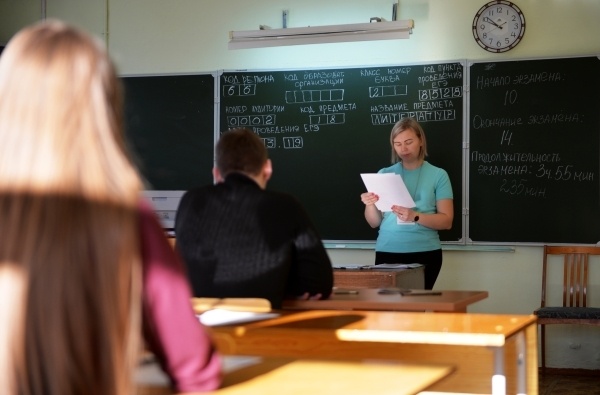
(564, 384)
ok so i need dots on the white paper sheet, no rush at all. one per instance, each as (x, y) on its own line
(216, 317)
(391, 190)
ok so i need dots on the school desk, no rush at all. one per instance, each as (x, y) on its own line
(392, 300)
(272, 375)
(327, 377)
(492, 353)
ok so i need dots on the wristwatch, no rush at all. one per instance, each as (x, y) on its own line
(416, 218)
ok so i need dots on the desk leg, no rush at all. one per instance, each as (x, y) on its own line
(521, 364)
(499, 379)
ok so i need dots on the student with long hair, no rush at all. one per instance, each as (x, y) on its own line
(85, 269)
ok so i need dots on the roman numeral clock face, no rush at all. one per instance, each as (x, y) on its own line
(498, 26)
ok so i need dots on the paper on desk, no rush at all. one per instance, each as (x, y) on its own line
(216, 317)
(391, 190)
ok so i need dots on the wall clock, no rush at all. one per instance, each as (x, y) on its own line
(498, 26)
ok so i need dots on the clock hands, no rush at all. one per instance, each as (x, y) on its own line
(488, 20)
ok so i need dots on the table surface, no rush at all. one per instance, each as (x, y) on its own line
(388, 326)
(465, 341)
(326, 377)
(371, 299)
(270, 375)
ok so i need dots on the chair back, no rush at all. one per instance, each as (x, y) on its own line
(575, 273)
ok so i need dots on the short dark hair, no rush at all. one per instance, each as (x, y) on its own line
(240, 150)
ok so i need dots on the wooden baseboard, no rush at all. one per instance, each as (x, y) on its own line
(570, 372)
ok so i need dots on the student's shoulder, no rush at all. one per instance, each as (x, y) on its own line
(280, 195)
(200, 190)
(282, 198)
(197, 193)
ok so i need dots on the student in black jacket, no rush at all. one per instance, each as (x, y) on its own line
(240, 240)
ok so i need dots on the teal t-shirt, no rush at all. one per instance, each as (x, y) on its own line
(426, 185)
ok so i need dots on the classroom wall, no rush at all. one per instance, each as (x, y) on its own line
(186, 36)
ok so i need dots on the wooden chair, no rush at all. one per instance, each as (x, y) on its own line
(574, 309)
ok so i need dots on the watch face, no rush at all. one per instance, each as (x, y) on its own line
(498, 26)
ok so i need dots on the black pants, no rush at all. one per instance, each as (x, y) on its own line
(432, 260)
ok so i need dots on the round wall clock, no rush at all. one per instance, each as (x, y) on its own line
(498, 26)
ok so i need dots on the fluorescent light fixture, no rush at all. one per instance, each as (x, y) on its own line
(387, 30)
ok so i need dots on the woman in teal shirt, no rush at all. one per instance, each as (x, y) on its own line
(410, 234)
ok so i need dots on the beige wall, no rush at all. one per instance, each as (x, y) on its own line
(158, 36)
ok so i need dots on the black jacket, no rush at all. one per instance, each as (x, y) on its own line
(239, 240)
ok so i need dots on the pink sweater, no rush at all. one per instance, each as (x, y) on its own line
(171, 330)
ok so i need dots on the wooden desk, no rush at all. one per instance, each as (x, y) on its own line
(401, 278)
(322, 377)
(491, 353)
(370, 299)
(270, 375)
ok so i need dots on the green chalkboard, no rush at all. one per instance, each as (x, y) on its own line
(324, 127)
(534, 160)
(169, 124)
